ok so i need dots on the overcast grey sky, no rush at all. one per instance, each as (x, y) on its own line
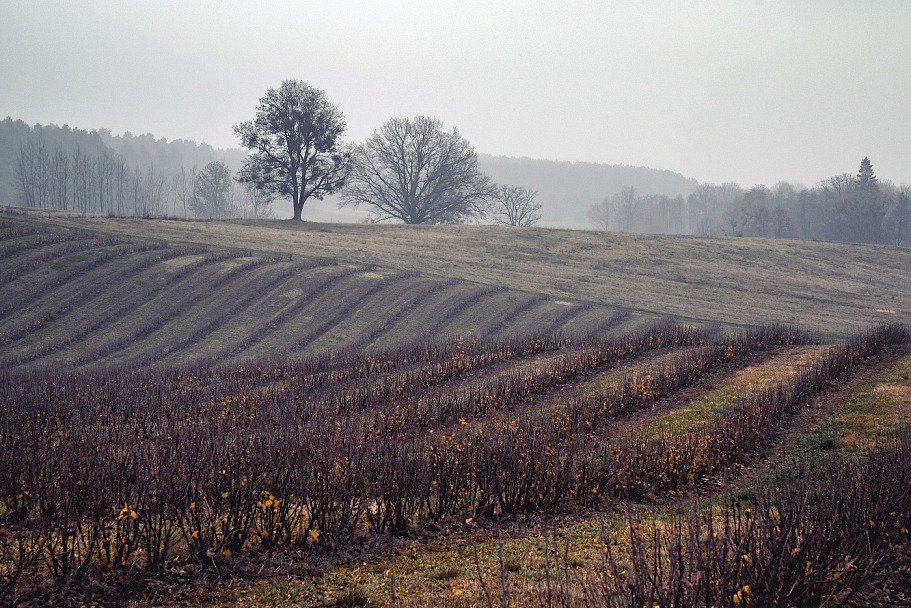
(750, 91)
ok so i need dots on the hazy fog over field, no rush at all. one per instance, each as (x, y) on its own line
(725, 90)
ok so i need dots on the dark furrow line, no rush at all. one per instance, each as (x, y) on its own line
(268, 328)
(178, 306)
(11, 230)
(612, 322)
(33, 263)
(391, 321)
(114, 253)
(301, 343)
(508, 317)
(566, 316)
(112, 315)
(80, 297)
(212, 325)
(457, 307)
(19, 244)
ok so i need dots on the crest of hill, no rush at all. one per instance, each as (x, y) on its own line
(567, 189)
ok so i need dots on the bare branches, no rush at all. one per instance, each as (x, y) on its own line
(212, 191)
(414, 171)
(516, 206)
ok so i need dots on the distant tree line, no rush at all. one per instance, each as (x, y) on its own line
(84, 181)
(72, 169)
(850, 208)
(411, 170)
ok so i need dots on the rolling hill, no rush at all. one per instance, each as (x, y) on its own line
(81, 291)
(266, 413)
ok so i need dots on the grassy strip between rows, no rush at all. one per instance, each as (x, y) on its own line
(881, 405)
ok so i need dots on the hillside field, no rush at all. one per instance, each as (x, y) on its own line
(278, 414)
(83, 291)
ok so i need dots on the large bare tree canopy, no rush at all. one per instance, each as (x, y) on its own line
(415, 171)
(295, 144)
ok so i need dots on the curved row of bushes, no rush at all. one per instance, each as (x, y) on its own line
(827, 531)
(104, 472)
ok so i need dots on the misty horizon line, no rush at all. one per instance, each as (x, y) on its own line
(129, 133)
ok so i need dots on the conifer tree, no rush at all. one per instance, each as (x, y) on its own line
(866, 180)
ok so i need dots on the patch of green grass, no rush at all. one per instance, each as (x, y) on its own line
(876, 407)
(740, 386)
(353, 597)
(447, 573)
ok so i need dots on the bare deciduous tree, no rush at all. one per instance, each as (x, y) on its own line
(625, 208)
(256, 204)
(900, 220)
(515, 206)
(838, 184)
(599, 214)
(60, 179)
(184, 184)
(33, 174)
(212, 191)
(415, 171)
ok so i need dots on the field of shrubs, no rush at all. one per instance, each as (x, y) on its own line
(115, 477)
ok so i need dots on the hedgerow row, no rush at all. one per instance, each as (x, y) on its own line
(631, 466)
(826, 531)
(110, 470)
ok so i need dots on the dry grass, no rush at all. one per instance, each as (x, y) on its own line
(65, 310)
(830, 286)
